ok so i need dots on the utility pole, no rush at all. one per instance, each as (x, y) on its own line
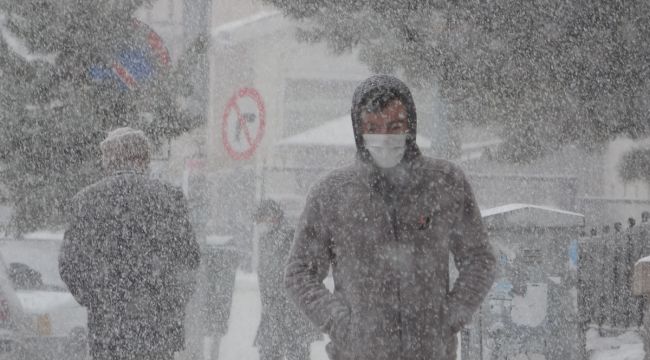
(440, 139)
(197, 24)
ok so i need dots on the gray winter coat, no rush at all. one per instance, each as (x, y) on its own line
(388, 247)
(282, 324)
(128, 256)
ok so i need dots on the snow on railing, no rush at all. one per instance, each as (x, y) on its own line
(605, 269)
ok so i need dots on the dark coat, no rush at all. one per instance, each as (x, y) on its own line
(221, 265)
(281, 321)
(388, 242)
(129, 256)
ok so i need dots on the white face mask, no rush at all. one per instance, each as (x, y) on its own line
(387, 150)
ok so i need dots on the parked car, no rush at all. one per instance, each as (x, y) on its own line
(43, 320)
(14, 324)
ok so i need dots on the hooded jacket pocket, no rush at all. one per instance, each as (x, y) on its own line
(456, 317)
(339, 331)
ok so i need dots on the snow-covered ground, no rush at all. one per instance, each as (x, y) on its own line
(238, 343)
(627, 346)
(245, 316)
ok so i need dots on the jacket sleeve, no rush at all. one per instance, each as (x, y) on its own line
(474, 260)
(76, 259)
(307, 267)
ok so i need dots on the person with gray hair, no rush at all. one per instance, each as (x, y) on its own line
(129, 255)
(125, 149)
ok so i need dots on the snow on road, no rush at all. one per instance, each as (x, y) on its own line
(245, 316)
(627, 346)
(238, 343)
(246, 308)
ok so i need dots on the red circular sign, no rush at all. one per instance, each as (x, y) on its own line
(243, 123)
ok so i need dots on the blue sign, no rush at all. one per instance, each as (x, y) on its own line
(130, 68)
(136, 63)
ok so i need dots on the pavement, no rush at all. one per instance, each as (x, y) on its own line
(237, 344)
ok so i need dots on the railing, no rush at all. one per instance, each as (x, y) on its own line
(605, 268)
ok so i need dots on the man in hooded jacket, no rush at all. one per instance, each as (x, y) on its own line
(129, 255)
(386, 225)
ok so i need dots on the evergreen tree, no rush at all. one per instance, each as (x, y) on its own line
(635, 165)
(546, 72)
(71, 70)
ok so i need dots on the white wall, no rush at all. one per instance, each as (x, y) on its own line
(262, 52)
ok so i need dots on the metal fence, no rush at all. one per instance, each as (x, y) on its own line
(531, 311)
(606, 263)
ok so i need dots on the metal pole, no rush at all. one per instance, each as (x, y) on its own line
(480, 336)
(197, 21)
(440, 140)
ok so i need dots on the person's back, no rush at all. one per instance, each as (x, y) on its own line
(283, 331)
(126, 250)
(132, 224)
(274, 249)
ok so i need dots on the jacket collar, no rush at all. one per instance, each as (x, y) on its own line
(371, 175)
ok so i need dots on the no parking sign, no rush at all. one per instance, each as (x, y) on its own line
(139, 59)
(244, 120)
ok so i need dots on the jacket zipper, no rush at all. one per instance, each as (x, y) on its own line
(392, 217)
(399, 319)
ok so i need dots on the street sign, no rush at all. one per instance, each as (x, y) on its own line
(244, 120)
(139, 59)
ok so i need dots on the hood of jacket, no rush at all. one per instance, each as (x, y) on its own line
(371, 86)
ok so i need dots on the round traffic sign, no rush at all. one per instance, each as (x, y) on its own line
(243, 123)
(139, 59)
